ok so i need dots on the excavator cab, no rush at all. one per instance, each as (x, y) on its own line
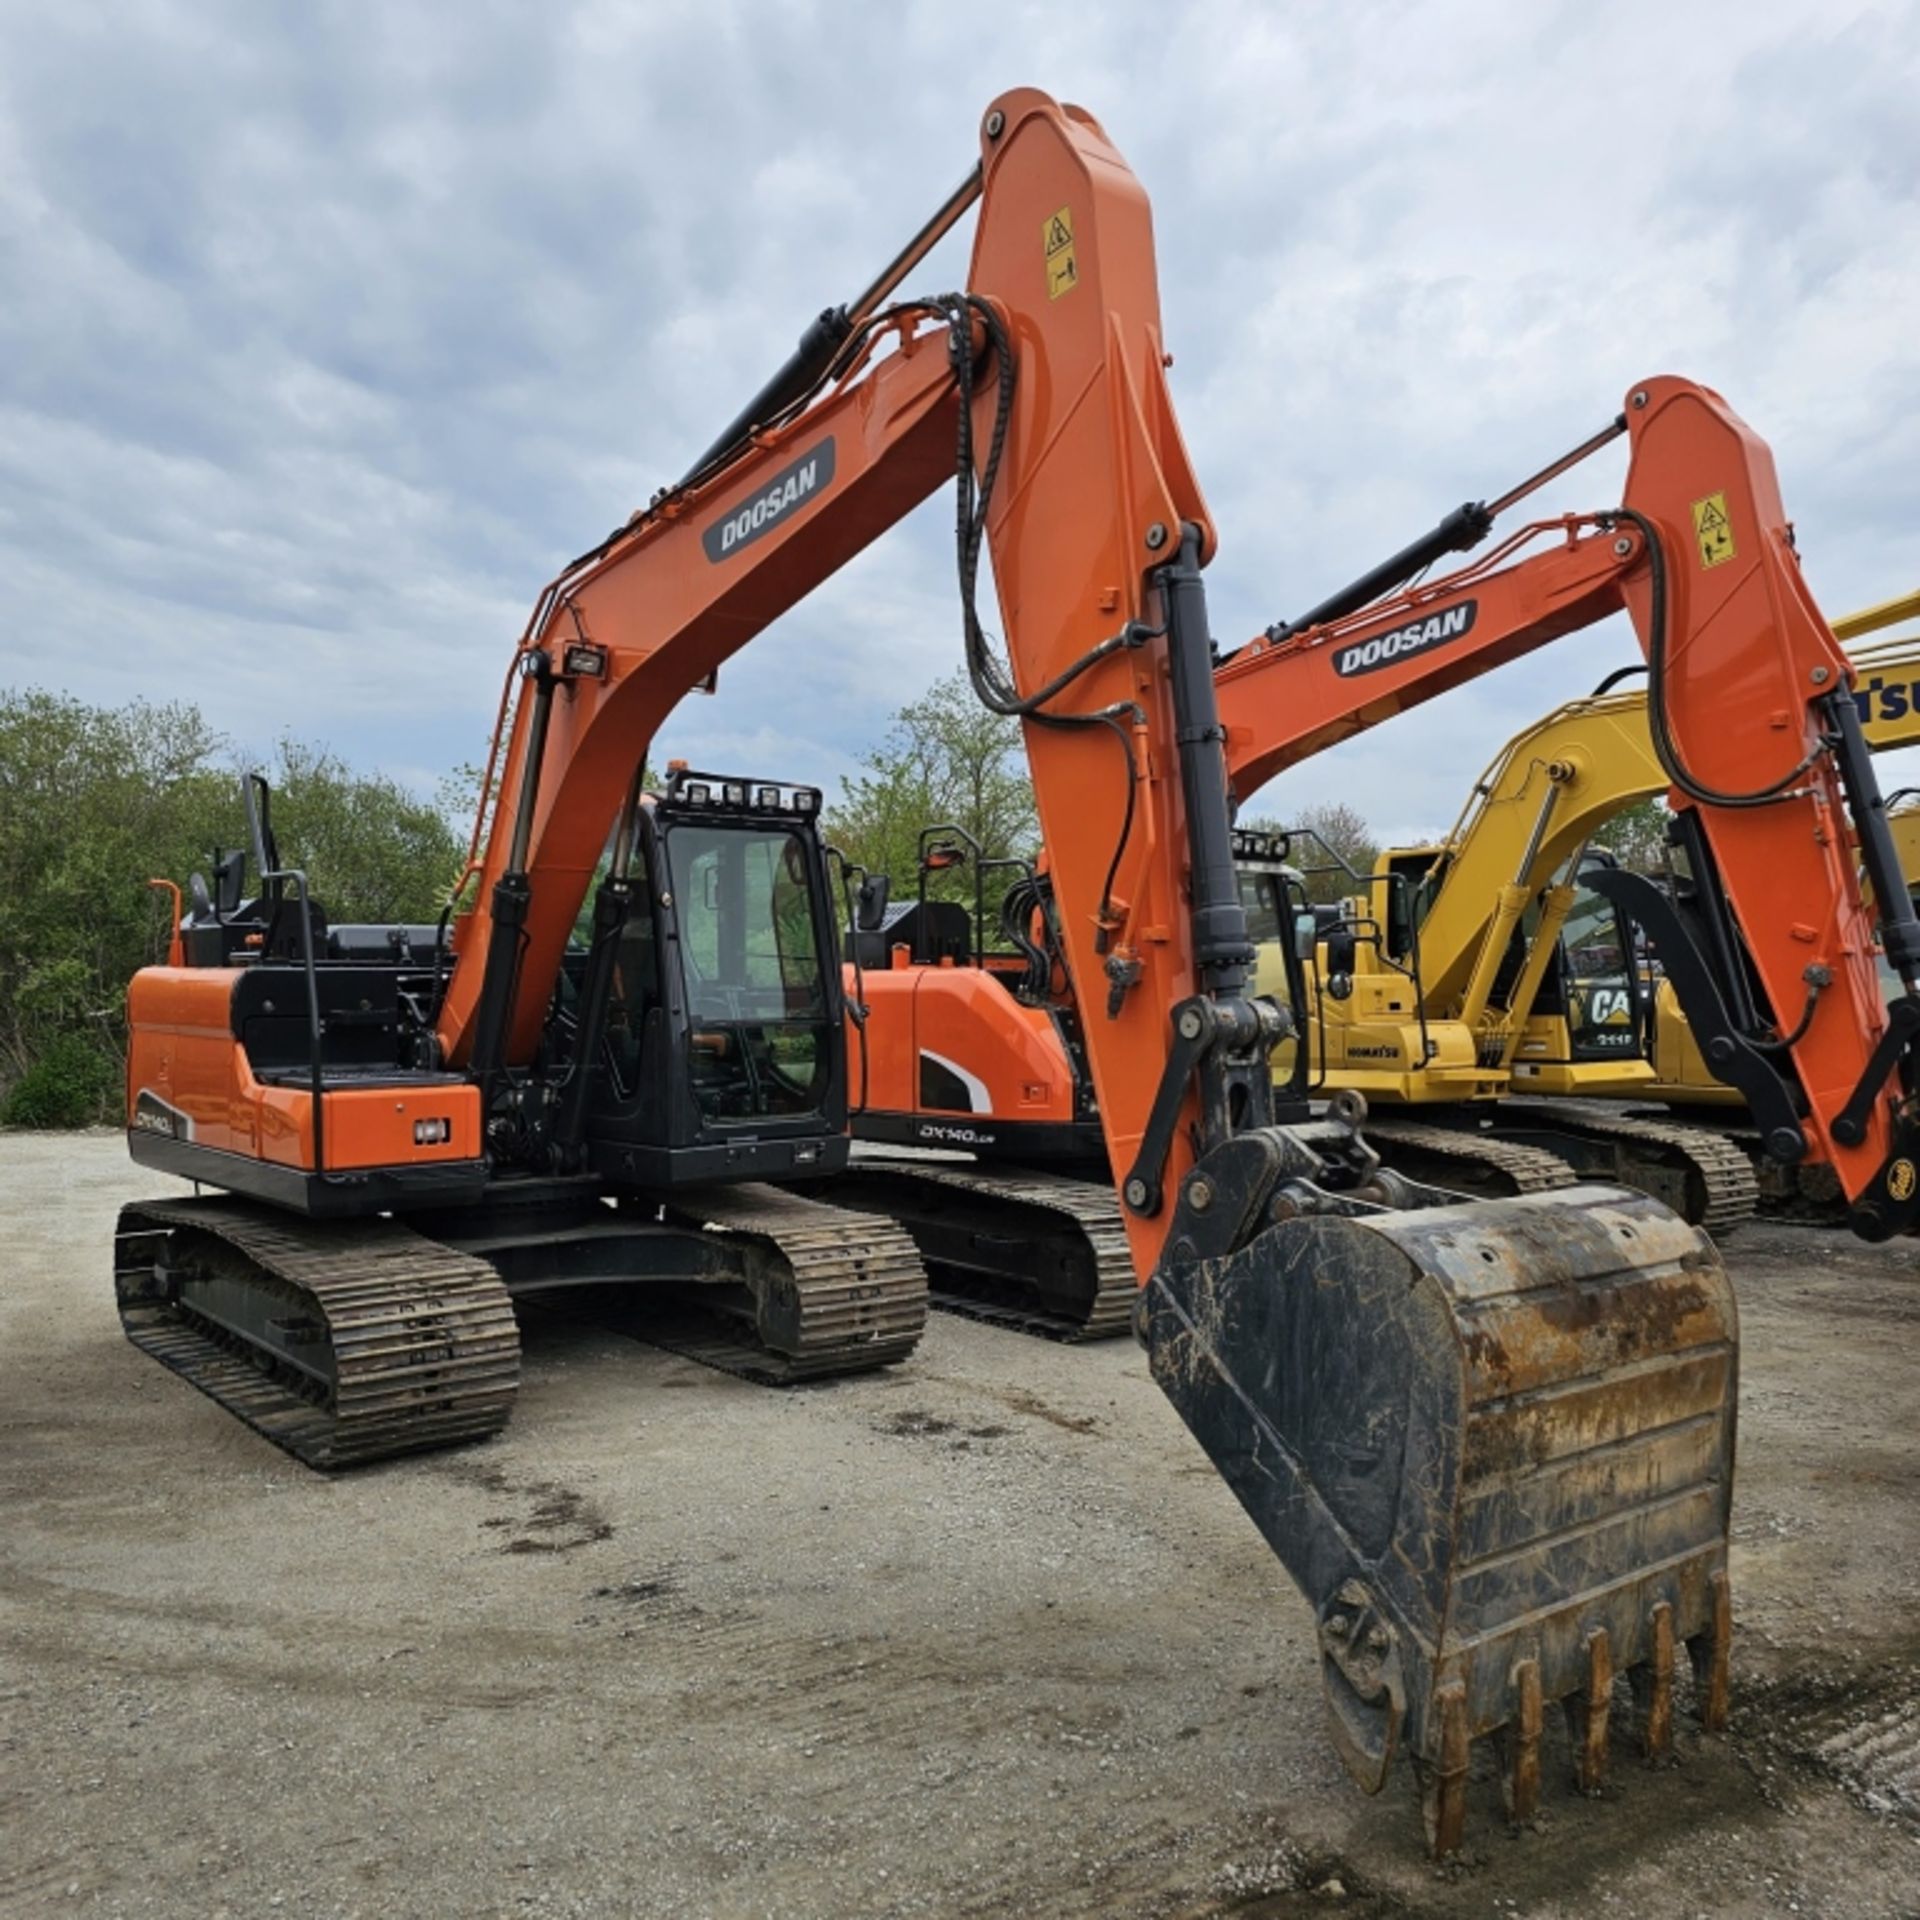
(1594, 977)
(718, 1045)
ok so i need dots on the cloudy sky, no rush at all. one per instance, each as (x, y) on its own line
(328, 331)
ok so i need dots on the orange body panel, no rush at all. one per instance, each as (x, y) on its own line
(1007, 1056)
(183, 1052)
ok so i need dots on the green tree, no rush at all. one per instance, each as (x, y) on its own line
(1636, 836)
(369, 848)
(92, 803)
(946, 758)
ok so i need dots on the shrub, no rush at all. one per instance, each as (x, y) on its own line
(73, 1081)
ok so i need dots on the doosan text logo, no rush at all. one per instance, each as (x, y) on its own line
(1368, 656)
(788, 490)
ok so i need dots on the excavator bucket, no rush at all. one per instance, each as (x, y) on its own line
(1494, 1447)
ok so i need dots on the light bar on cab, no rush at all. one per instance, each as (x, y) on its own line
(688, 788)
(1255, 843)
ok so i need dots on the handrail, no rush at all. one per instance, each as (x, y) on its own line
(316, 1069)
(929, 839)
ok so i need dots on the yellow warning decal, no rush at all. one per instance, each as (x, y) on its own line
(1713, 529)
(1063, 268)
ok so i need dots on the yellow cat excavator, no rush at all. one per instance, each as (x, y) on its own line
(1493, 1445)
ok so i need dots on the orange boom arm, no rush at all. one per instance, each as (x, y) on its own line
(1754, 683)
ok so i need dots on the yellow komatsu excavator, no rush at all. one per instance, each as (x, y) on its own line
(1483, 967)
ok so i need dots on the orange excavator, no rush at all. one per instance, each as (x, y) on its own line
(1493, 1445)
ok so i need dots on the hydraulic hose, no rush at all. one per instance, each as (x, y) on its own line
(972, 497)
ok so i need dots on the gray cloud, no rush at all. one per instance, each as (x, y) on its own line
(330, 331)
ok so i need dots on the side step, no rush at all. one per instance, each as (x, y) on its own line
(345, 1342)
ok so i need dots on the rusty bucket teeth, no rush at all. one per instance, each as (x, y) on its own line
(1494, 1446)
(1519, 1740)
(1653, 1687)
(1591, 1725)
(1708, 1650)
(1443, 1782)
(1587, 1715)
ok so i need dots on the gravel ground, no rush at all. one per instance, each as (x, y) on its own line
(982, 1635)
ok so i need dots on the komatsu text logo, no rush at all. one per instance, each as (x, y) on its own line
(1887, 700)
(790, 488)
(1367, 656)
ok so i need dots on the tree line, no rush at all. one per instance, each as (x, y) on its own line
(94, 801)
(948, 760)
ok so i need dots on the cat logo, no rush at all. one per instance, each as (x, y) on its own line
(1900, 1180)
